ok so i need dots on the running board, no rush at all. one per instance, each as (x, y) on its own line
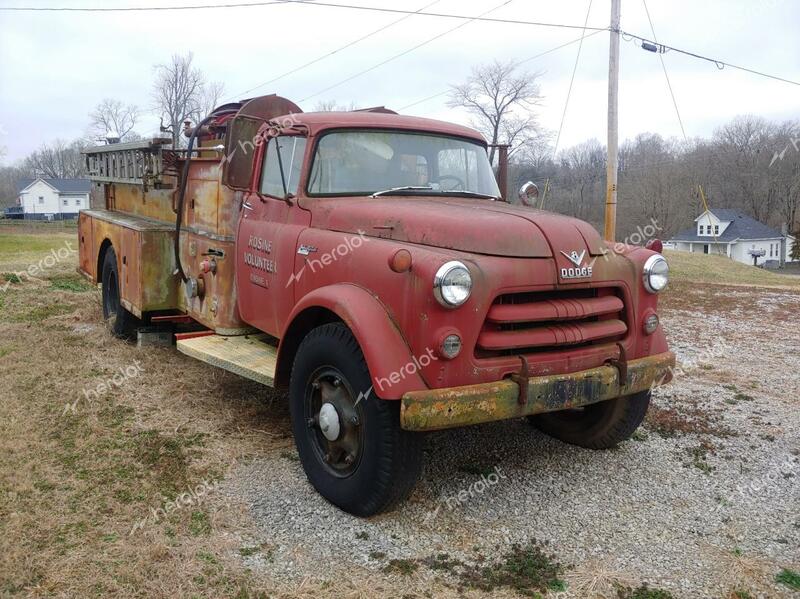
(249, 356)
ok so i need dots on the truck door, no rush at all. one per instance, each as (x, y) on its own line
(266, 243)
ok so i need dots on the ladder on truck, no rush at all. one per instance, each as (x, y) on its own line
(136, 162)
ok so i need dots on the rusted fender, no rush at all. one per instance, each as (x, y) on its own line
(390, 361)
(436, 409)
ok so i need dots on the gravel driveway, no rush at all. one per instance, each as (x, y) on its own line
(704, 501)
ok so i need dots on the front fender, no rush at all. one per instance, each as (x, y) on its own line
(393, 368)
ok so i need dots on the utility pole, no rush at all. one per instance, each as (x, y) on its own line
(613, 125)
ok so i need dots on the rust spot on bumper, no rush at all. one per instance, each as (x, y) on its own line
(435, 409)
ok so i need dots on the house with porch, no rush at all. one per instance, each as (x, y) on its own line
(734, 234)
(52, 199)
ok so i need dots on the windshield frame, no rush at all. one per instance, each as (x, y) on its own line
(368, 193)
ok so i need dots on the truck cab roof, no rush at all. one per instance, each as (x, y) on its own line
(320, 121)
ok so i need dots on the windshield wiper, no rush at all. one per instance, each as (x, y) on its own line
(469, 193)
(404, 188)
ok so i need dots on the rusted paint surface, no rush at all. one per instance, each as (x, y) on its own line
(486, 402)
(144, 257)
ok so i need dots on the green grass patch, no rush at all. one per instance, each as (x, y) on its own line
(406, 567)
(71, 282)
(199, 524)
(790, 578)
(10, 277)
(708, 268)
(527, 569)
(37, 314)
(699, 457)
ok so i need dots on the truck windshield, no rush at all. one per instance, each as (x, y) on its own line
(400, 163)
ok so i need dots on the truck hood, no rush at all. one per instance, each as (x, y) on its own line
(463, 224)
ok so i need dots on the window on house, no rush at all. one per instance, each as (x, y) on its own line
(66, 202)
(41, 199)
(716, 229)
(78, 202)
(770, 250)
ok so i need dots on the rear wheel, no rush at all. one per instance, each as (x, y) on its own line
(350, 442)
(121, 322)
(600, 425)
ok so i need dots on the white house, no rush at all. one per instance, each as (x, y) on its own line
(736, 235)
(53, 199)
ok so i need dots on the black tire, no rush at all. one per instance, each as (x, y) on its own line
(373, 464)
(122, 323)
(602, 425)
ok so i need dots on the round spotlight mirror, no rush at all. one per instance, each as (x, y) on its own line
(529, 193)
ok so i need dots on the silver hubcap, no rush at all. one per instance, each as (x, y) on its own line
(329, 422)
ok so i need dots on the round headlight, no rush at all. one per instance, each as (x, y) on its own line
(655, 274)
(452, 284)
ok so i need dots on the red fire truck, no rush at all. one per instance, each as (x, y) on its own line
(370, 263)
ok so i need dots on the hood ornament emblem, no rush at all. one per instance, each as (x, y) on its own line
(575, 257)
(579, 271)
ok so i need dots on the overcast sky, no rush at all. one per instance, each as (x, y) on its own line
(55, 66)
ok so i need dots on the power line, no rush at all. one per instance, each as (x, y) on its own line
(569, 93)
(339, 49)
(299, 2)
(675, 103)
(408, 51)
(142, 8)
(720, 64)
(569, 43)
(666, 75)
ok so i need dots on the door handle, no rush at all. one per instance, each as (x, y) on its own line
(246, 206)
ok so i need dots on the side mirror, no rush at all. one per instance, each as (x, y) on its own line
(529, 193)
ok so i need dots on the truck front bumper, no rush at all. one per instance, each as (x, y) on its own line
(436, 409)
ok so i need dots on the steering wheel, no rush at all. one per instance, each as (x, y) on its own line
(460, 185)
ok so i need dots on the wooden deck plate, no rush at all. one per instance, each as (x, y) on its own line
(249, 356)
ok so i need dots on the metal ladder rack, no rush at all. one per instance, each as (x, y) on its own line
(136, 162)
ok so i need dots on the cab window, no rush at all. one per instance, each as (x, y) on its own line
(292, 149)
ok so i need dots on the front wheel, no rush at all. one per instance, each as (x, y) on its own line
(599, 425)
(350, 442)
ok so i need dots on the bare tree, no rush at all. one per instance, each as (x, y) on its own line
(112, 117)
(334, 106)
(500, 99)
(210, 95)
(59, 160)
(178, 93)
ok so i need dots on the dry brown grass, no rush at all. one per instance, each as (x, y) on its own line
(682, 420)
(74, 485)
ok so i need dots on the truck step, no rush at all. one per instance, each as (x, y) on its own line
(250, 356)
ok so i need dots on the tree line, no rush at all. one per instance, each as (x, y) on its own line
(750, 163)
(180, 92)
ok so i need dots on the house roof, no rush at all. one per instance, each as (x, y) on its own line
(741, 227)
(723, 214)
(62, 185)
